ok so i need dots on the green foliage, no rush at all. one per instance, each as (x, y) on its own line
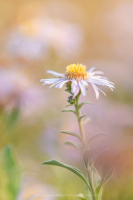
(10, 174)
(12, 117)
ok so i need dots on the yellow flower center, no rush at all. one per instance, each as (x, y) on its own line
(77, 72)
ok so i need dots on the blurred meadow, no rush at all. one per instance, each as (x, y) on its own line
(40, 35)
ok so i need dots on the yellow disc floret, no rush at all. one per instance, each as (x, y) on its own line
(77, 72)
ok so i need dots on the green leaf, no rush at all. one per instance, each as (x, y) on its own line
(80, 117)
(72, 133)
(81, 196)
(71, 168)
(83, 103)
(65, 110)
(75, 145)
(92, 138)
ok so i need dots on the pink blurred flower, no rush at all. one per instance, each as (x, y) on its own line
(17, 91)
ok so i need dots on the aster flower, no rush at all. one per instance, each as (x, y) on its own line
(80, 79)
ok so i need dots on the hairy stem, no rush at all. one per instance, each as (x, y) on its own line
(80, 122)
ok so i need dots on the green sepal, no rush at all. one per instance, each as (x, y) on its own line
(71, 168)
(93, 137)
(83, 103)
(71, 100)
(75, 145)
(65, 110)
(80, 117)
(72, 133)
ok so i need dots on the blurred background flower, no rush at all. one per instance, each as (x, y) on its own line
(40, 35)
(35, 38)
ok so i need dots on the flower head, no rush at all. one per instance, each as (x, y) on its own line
(79, 79)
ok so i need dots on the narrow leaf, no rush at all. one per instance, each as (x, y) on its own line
(80, 117)
(71, 168)
(108, 175)
(72, 133)
(98, 154)
(65, 110)
(69, 105)
(87, 120)
(92, 138)
(81, 196)
(104, 180)
(87, 156)
(96, 177)
(75, 145)
(83, 103)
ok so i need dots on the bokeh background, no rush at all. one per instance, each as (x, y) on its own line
(38, 35)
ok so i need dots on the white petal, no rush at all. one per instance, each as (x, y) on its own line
(97, 72)
(96, 90)
(73, 87)
(85, 83)
(82, 87)
(91, 69)
(101, 91)
(60, 85)
(74, 81)
(58, 81)
(76, 91)
(101, 82)
(55, 73)
(50, 80)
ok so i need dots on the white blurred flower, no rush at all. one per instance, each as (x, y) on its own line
(35, 38)
(79, 78)
(16, 91)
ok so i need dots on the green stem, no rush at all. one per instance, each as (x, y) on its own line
(80, 122)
